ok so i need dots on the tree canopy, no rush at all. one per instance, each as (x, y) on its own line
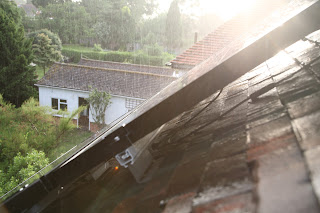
(174, 26)
(99, 101)
(45, 52)
(123, 25)
(44, 3)
(69, 20)
(55, 39)
(16, 75)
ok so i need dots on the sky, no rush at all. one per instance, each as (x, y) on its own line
(225, 9)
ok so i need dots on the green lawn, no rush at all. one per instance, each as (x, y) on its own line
(70, 140)
(77, 47)
(39, 72)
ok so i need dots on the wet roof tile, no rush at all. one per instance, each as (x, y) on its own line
(209, 163)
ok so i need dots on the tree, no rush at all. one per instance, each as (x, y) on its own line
(116, 27)
(45, 52)
(141, 7)
(55, 40)
(154, 26)
(20, 1)
(99, 102)
(69, 20)
(44, 3)
(173, 26)
(138, 8)
(16, 75)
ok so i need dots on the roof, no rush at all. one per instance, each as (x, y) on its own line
(30, 9)
(231, 153)
(252, 145)
(126, 66)
(116, 82)
(224, 34)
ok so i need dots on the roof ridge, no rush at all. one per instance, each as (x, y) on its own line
(136, 65)
(115, 70)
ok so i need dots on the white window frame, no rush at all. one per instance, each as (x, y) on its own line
(59, 103)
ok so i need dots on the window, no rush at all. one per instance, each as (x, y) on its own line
(59, 104)
(54, 103)
(132, 103)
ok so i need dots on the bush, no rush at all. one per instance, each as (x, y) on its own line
(153, 50)
(27, 135)
(97, 48)
(139, 57)
(55, 40)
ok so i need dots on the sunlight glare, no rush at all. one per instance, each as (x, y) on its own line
(226, 9)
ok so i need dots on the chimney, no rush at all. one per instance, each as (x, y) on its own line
(195, 37)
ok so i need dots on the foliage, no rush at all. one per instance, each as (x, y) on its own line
(174, 26)
(69, 20)
(39, 72)
(16, 76)
(29, 23)
(119, 24)
(97, 48)
(20, 1)
(46, 53)
(65, 123)
(153, 50)
(116, 29)
(68, 141)
(115, 22)
(153, 28)
(150, 39)
(44, 3)
(22, 168)
(55, 40)
(27, 135)
(139, 57)
(11, 10)
(141, 7)
(138, 8)
(99, 102)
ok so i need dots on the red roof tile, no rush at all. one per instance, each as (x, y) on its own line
(223, 35)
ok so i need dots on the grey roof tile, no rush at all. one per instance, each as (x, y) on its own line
(116, 82)
(127, 67)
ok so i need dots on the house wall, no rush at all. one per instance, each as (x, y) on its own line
(116, 109)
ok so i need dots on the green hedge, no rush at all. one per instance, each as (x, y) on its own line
(116, 56)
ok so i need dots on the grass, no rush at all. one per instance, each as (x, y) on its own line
(77, 47)
(70, 140)
(39, 72)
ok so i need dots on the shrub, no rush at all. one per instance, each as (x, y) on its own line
(97, 48)
(139, 57)
(54, 38)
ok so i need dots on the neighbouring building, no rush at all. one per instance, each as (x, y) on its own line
(30, 10)
(223, 36)
(66, 87)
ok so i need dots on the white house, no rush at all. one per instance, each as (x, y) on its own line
(66, 86)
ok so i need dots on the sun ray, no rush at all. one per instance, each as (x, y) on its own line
(227, 8)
